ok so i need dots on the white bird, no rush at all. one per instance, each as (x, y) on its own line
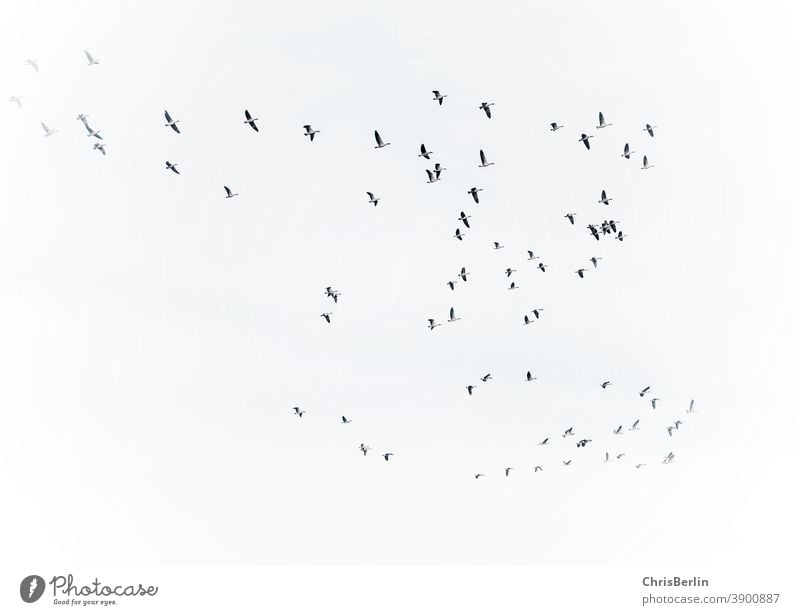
(372, 199)
(424, 153)
(529, 377)
(626, 152)
(229, 194)
(171, 123)
(474, 192)
(453, 317)
(309, 132)
(173, 167)
(437, 96)
(585, 139)
(554, 126)
(90, 58)
(646, 165)
(32, 64)
(604, 198)
(47, 131)
(379, 141)
(484, 163)
(485, 106)
(649, 129)
(16, 99)
(100, 147)
(250, 120)
(601, 121)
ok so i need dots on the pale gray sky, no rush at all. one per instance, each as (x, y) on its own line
(155, 335)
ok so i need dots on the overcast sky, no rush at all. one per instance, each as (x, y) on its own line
(156, 335)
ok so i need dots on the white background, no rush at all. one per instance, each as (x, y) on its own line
(155, 335)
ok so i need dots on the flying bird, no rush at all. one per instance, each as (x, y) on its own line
(250, 120)
(470, 388)
(33, 64)
(438, 168)
(691, 409)
(571, 217)
(536, 312)
(544, 442)
(529, 377)
(538, 469)
(479, 476)
(531, 256)
(326, 316)
(626, 152)
(635, 426)
(432, 324)
(372, 199)
(228, 193)
(649, 129)
(438, 96)
(100, 147)
(568, 432)
(606, 384)
(601, 121)
(453, 316)
(617, 431)
(486, 378)
(345, 420)
(509, 271)
(585, 139)
(452, 284)
(464, 218)
(48, 132)
(173, 167)
(526, 320)
(379, 141)
(424, 153)
(432, 177)
(567, 462)
(16, 99)
(497, 245)
(485, 106)
(669, 458)
(464, 273)
(474, 192)
(604, 198)
(484, 162)
(90, 59)
(513, 286)
(594, 260)
(554, 126)
(508, 471)
(643, 392)
(171, 123)
(91, 132)
(298, 411)
(458, 235)
(580, 273)
(542, 267)
(387, 455)
(309, 132)
(646, 165)
(653, 402)
(363, 448)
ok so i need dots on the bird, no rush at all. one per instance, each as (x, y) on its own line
(646, 165)
(571, 217)
(363, 448)
(16, 99)
(593, 231)
(464, 273)
(424, 153)
(83, 118)
(649, 129)
(453, 316)
(536, 312)
(298, 411)
(486, 378)
(485, 106)
(606, 384)
(554, 126)
(639, 465)
(332, 293)
(538, 469)
(580, 273)
(438, 168)
(345, 420)
(33, 64)
(635, 426)
(477, 476)
(691, 409)
(92, 133)
(601, 121)
(626, 152)
(387, 455)
(372, 199)
(458, 235)
(608, 458)
(617, 431)
(542, 267)
(484, 162)
(585, 139)
(509, 271)
(582, 443)
(250, 120)
(568, 432)
(432, 177)
(508, 471)
(326, 316)
(531, 256)
(438, 96)
(100, 147)
(309, 132)
(678, 424)
(567, 462)
(229, 194)
(669, 430)
(90, 59)
(669, 458)
(604, 198)
(594, 260)
(526, 320)
(474, 192)
(470, 388)
(497, 245)
(48, 132)
(171, 123)
(173, 167)
(464, 218)
(621, 236)
(379, 141)
(653, 402)
(452, 284)
(529, 377)
(643, 392)
(513, 286)
(544, 442)
(432, 324)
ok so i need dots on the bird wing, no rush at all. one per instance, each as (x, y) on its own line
(430, 175)
(88, 55)
(247, 116)
(601, 118)
(483, 157)
(167, 115)
(378, 139)
(46, 129)
(488, 111)
(227, 190)
(644, 161)
(371, 196)
(627, 149)
(452, 313)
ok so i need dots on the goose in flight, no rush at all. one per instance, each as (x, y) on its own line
(372, 198)
(568, 432)
(432, 324)
(509, 271)
(538, 469)
(100, 147)
(173, 167)
(33, 64)
(691, 409)
(601, 121)
(83, 117)
(470, 388)
(497, 245)
(332, 293)
(379, 141)
(580, 273)
(593, 231)
(567, 462)
(485, 106)
(345, 420)
(464, 273)
(604, 198)
(526, 320)
(635, 426)
(91, 132)
(582, 443)
(453, 316)
(670, 429)
(486, 378)
(585, 139)
(643, 392)
(542, 267)
(531, 256)
(363, 448)
(439, 97)
(474, 192)
(650, 129)
(171, 123)
(477, 476)
(508, 471)
(536, 312)
(309, 132)
(606, 384)
(298, 411)
(554, 126)
(594, 260)
(48, 132)
(229, 194)
(617, 431)
(438, 168)
(250, 120)
(464, 218)
(608, 458)
(387, 455)
(16, 99)
(484, 162)
(571, 217)
(626, 152)
(669, 458)
(653, 402)
(424, 153)
(452, 284)
(327, 316)
(529, 377)
(513, 286)
(621, 236)
(432, 177)
(544, 442)
(89, 58)
(639, 465)
(458, 235)
(646, 165)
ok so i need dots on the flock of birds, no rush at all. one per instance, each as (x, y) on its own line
(608, 227)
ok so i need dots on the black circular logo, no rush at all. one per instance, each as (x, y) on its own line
(31, 588)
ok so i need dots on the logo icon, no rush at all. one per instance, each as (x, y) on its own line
(31, 588)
